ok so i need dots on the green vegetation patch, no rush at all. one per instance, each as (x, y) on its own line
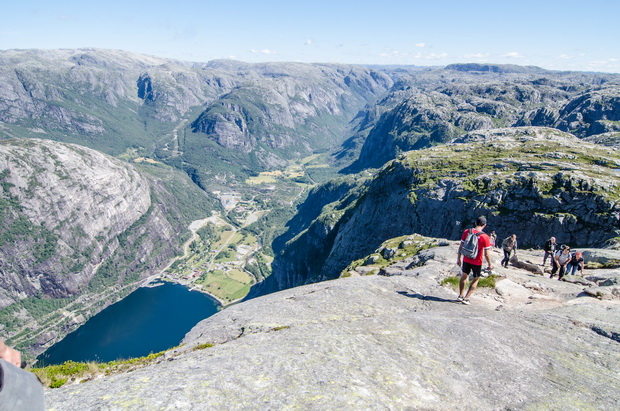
(225, 236)
(55, 376)
(16, 227)
(486, 282)
(391, 251)
(202, 346)
(222, 274)
(36, 307)
(189, 200)
(228, 286)
(608, 264)
(486, 166)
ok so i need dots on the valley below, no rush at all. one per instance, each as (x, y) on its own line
(225, 256)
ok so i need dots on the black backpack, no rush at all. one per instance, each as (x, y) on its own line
(470, 246)
(549, 246)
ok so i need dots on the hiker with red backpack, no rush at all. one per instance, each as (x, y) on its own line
(474, 245)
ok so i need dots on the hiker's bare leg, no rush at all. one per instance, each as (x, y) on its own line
(472, 287)
(462, 283)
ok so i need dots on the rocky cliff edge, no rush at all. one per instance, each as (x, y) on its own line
(393, 341)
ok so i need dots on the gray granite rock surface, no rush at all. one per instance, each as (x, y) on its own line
(385, 343)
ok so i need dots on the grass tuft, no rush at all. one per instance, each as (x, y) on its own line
(487, 282)
(202, 346)
(282, 327)
(55, 376)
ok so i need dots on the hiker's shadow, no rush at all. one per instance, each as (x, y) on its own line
(422, 297)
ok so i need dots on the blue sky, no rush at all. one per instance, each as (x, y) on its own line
(559, 35)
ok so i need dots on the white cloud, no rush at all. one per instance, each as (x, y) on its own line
(421, 45)
(566, 57)
(597, 64)
(513, 55)
(392, 53)
(308, 42)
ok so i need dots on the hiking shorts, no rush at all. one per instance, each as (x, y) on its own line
(467, 268)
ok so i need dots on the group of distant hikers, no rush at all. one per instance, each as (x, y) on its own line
(563, 261)
(476, 246)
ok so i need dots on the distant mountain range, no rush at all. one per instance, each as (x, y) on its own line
(221, 120)
(434, 107)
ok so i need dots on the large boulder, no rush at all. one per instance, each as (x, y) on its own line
(605, 257)
(526, 265)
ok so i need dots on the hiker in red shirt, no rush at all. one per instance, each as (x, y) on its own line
(470, 264)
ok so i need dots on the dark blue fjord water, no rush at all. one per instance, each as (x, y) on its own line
(148, 320)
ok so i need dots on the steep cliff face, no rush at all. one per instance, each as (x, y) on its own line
(535, 182)
(594, 112)
(55, 87)
(64, 207)
(606, 139)
(77, 227)
(105, 99)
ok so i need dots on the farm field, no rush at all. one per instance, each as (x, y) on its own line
(215, 262)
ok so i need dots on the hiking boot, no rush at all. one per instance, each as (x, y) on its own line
(465, 301)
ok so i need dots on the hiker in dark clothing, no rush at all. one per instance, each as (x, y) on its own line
(508, 245)
(550, 247)
(575, 264)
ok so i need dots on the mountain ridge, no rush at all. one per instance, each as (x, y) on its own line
(538, 182)
(115, 100)
(433, 108)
